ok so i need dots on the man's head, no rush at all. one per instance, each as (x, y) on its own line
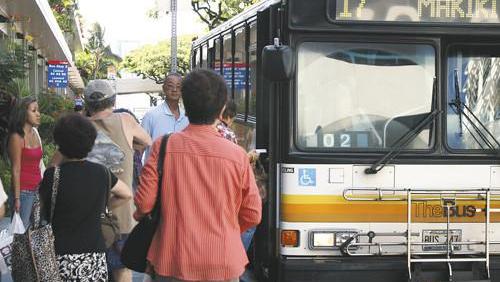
(99, 95)
(204, 94)
(172, 87)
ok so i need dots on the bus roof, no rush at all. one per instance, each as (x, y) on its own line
(240, 18)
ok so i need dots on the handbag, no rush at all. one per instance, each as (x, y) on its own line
(109, 222)
(135, 251)
(33, 253)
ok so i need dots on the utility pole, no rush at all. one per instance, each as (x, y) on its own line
(173, 40)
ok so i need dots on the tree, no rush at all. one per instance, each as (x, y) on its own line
(153, 61)
(215, 12)
(94, 60)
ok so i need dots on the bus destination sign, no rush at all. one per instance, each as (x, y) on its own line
(432, 11)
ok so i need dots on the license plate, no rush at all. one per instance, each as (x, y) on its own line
(439, 236)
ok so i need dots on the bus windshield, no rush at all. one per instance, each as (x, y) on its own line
(473, 120)
(363, 96)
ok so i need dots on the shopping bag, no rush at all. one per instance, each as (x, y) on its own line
(6, 238)
(17, 226)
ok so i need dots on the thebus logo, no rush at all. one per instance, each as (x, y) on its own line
(426, 210)
(287, 170)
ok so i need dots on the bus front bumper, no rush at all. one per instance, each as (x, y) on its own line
(374, 269)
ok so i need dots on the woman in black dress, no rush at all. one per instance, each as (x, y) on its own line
(80, 202)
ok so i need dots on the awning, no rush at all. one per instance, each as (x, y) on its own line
(35, 18)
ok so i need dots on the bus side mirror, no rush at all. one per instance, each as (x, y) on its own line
(277, 62)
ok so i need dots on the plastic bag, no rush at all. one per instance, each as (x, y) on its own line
(6, 239)
(16, 226)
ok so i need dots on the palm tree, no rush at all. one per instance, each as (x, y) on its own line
(97, 56)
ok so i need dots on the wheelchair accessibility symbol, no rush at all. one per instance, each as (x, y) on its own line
(307, 177)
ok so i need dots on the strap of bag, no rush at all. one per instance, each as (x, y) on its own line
(55, 186)
(106, 198)
(159, 169)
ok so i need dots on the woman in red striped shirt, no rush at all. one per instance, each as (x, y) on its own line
(208, 196)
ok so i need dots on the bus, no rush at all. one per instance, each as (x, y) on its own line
(378, 123)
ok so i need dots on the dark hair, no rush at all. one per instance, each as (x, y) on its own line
(230, 110)
(19, 115)
(74, 135)
(123, 110)
(204, 93)
(95, 105)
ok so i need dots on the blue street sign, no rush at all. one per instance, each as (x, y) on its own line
(57, 74)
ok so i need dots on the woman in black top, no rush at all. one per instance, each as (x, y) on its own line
(80, 202)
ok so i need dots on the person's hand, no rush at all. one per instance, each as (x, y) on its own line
(17, 205)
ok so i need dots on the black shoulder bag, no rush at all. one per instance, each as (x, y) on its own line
(136, 247)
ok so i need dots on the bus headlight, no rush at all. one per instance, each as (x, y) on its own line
(323, 239)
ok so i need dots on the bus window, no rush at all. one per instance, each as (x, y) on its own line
(240, 69)
(217, 61)
(204, 56)
(343, 89)
(252, 80)
(474, 80)
(228, 62)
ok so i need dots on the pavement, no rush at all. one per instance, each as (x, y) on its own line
(4, 223)
(137, 277)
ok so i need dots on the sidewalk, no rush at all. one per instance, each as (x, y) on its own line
(137, 277)
(4, 223)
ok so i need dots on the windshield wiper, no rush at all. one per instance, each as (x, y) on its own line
(408, 136)
(459, 108)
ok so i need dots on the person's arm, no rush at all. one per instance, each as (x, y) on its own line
(45, 192)
(251, 206)
(140, 138)
(147, 191)
(120, 194)
(3, 199)
(147, 126)
(15, 151)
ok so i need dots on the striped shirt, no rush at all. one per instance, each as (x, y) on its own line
(208, 198)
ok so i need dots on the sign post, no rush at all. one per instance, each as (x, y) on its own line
(57, 74)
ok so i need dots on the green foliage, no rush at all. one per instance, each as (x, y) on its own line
(64, 11)
(13, 64)
(18, 87)
(46, 128)
(94, 60)
(215, 12)
(48, 152)
(5, 174)
(53, 105)
(153, 61)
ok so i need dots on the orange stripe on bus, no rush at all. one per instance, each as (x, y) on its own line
(305, 208)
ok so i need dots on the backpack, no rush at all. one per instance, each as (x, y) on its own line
(107, 153)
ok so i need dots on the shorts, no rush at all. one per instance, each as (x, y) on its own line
(114, 252)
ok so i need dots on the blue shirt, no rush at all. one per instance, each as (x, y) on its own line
(160, 121)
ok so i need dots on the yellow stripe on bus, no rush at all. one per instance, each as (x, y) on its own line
(329, 208)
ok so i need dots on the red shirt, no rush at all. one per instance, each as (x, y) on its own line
(30, 168)
(208, 198)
